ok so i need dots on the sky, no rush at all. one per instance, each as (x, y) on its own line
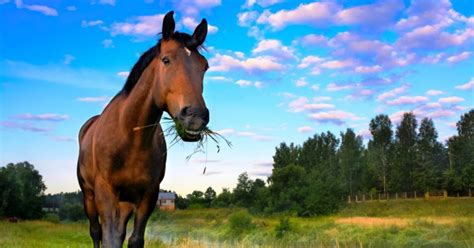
(280, 71)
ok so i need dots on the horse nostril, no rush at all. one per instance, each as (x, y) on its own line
(185, 111)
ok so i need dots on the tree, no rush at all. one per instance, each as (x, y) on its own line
(287, 190)
(405, 148)
(380, 146)
(285, 155)
(224, 199)
(196, 199)
(350, 161)
(21, 191)
(209, 195)
(460, 175)
(242, 192)
(427, 174)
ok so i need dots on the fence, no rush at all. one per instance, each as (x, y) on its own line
(406, 195)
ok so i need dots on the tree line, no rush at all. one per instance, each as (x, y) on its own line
(315, 177)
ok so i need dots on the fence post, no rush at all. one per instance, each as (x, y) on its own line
(396, 196)
(470, 193)
(405, 193)
(445, 193)
(349, 199)
(427, 195)
(415, 194)
(457, 194)
(363, 197)
(356, 199)
(379, 196)
(371, 196)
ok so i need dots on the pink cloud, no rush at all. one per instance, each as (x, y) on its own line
(275, 48)
(381, 14)
(451, 99)
(392, 93)
(458, 57)
(227, 131)
(336, 87)
(301, 82)
(302, 104)
(305, 129)
(368, 69)
(408, 100)
(467, 86)
(314, 40)
(23, 126)
(43, 9)
(139, 26)
(243, 83)
(434, 92)
(337, 117)
(191, 23)
(255, 136)
(364, 133)
(337, 64)
(246, 18)
(321, 98)
(123, 74)
(316, 13)
(431, 37)
(42, 117)
(261, 63)
(94, 99)
(441, 113)
(310, 60)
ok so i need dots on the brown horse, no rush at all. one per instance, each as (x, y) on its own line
(120, 169)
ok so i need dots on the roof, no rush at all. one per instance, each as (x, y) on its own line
(164, 195)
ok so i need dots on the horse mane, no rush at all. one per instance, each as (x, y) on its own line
(147, 57)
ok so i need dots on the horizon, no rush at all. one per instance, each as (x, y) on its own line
(280, 71)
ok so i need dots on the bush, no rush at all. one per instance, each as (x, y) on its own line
(72, 212)
(240, 222)
(283, 227)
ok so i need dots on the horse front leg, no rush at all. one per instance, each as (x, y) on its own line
(143, 212)
(93, 216)
(108, 206)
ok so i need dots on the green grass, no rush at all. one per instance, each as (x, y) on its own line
(421, 223)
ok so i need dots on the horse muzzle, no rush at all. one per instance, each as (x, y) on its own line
(193, 121)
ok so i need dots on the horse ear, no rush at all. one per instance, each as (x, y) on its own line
(168, 25)
(200, 33)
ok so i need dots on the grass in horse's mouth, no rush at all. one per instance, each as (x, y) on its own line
(177, 129)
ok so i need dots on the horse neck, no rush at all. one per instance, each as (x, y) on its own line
(139, 109)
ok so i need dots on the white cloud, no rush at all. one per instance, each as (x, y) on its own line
(467, 86)
(337, 64)
(392, 93)
(305, 129)
(94, 99)
(368, 69)
(337, 117)
(258, 84)
(458, 57)
(451, 99)
(310, 60)
(227, 131)
(247, 18)
(301, 82)
(42, 117)
(107, 2)
(434, 92)
(403, 100)
(260, 63)
(336, 87)
(43, 9)
(139, 26)
(274, 48)
(123, 74)
(314, 40)
(243, 83)
(85, 23)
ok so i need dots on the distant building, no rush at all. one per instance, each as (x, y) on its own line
(166, 201)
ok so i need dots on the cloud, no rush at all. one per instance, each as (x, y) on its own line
(336, 87)
(440, 113)
(62, 138)
(337, 117)
(107, 2)
(258, 84)
(43, 9)
(458, 57)
(467, 86)
(108, 43)
(305, 129)
(94, 99)
(368, 69)
(42, 117)
(426, 12)
(301, 82)
(243, 83)
(392, 93)
(337, 64)
(255, 136)
(71, 8)
(303, 104)
(451, 99)
(227, 131)
(275, 48)
(245, 19)
(57, 73)
(316, 14)
(123, 74)
(262, 3)
(23, 126)
(190, 23)
(139, 26)
(219, 78)
(310, 60)
(193, 7)
(205, 161)
(434, 92)
(68, 58)
(403, 100)
(364, 133)
(314, 40)
(433, 38)
(381, 14)
(322, 98)
(85, 23)
(222, 62)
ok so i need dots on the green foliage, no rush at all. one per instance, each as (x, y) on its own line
(283, 227)
(240, 222)
(71, 212)
(21, 191)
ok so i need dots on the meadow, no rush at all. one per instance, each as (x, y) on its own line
(397, 223)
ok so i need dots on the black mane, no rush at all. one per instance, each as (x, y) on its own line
(185, 39)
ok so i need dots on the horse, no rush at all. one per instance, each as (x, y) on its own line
(120, 167)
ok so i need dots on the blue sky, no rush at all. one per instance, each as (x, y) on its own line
(279, 71)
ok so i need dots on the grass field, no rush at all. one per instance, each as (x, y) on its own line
(408, 223)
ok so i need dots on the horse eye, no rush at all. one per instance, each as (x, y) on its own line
(165, 60)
